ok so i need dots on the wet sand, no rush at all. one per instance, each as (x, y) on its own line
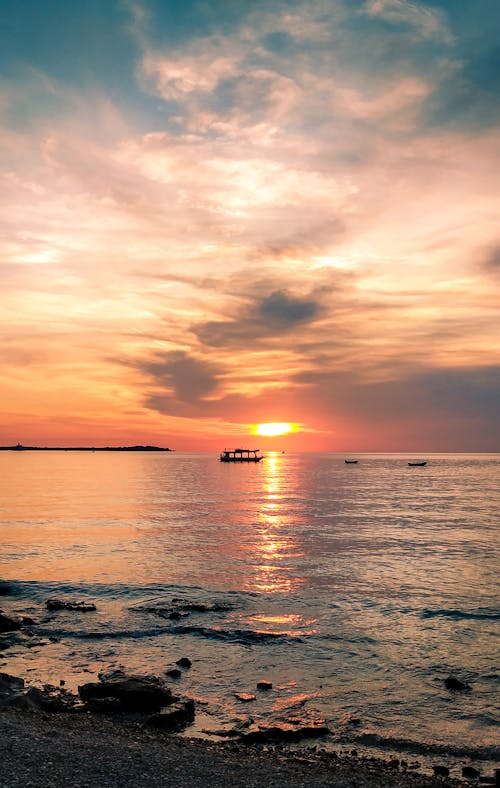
(90, 751)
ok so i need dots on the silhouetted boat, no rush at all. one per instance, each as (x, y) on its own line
(240, 455)
(417, 464)
(350, 462)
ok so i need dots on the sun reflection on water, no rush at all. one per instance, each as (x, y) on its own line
(274, 547)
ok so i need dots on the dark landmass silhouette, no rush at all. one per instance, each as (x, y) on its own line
(20, 447)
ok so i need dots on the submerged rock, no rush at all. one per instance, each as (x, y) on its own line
(174, 673)
(60, 604)
(179, 608)
(9, 623)
(184, 662)
(452, 683)
(136, 693)
(440, 771)
(245, 697)
(470, 773)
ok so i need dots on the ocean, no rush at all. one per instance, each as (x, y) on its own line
(356, 589)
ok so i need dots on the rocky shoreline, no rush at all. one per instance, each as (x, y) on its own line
(84, 750)
(121, 730)
(87, 738)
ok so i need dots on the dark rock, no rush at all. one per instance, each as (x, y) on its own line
(200, 607)
(136, 693)
(440, 771)
(11, 689)
(175, 716)
(52, 699)
(180, 608)
(488, 780)
(10, 623)
(245, 697)
(105, 705)
(264, 685)
(174, 673)
(184, 662)
(470, 772)
(392, 763)
(354, 753)
(60, 604)
(452, 683)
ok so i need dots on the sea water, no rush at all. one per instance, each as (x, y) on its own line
(356, 589)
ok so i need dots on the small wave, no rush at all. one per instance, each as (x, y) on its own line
(114, 634)
(244, 636)
(484, 614)
(8, 589)
(421, 748)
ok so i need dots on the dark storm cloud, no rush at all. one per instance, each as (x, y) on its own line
(281, 309)
(463, 393)
(189, 378)
(266, 317)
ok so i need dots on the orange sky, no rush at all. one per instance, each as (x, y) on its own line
(281, 213)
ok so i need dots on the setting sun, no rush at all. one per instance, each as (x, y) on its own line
(274, 428)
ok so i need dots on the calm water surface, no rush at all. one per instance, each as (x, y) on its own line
(355, 589)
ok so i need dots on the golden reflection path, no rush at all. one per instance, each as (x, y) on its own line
(274, 546)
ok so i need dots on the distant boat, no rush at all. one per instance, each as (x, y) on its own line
(350, 462)
(240, 455)
(419, 464)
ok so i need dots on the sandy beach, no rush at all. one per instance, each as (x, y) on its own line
(84, 751)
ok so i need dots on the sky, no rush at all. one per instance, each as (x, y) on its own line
(222, 213)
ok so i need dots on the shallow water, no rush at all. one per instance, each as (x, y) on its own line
(355, 589)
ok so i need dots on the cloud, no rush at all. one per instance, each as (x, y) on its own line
(266, 317)
(491, 261)
(190, 379)
(283, 310)
(426, 21)
(293, 206)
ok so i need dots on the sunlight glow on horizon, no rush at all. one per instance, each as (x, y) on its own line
(271, 429)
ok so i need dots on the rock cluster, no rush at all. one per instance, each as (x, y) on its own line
(114, 693)
(61, 604)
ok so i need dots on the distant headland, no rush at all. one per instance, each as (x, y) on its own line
(20, 447)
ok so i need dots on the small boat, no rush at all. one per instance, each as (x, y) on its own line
(419, 464)
(240, 455)
(350, 462)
